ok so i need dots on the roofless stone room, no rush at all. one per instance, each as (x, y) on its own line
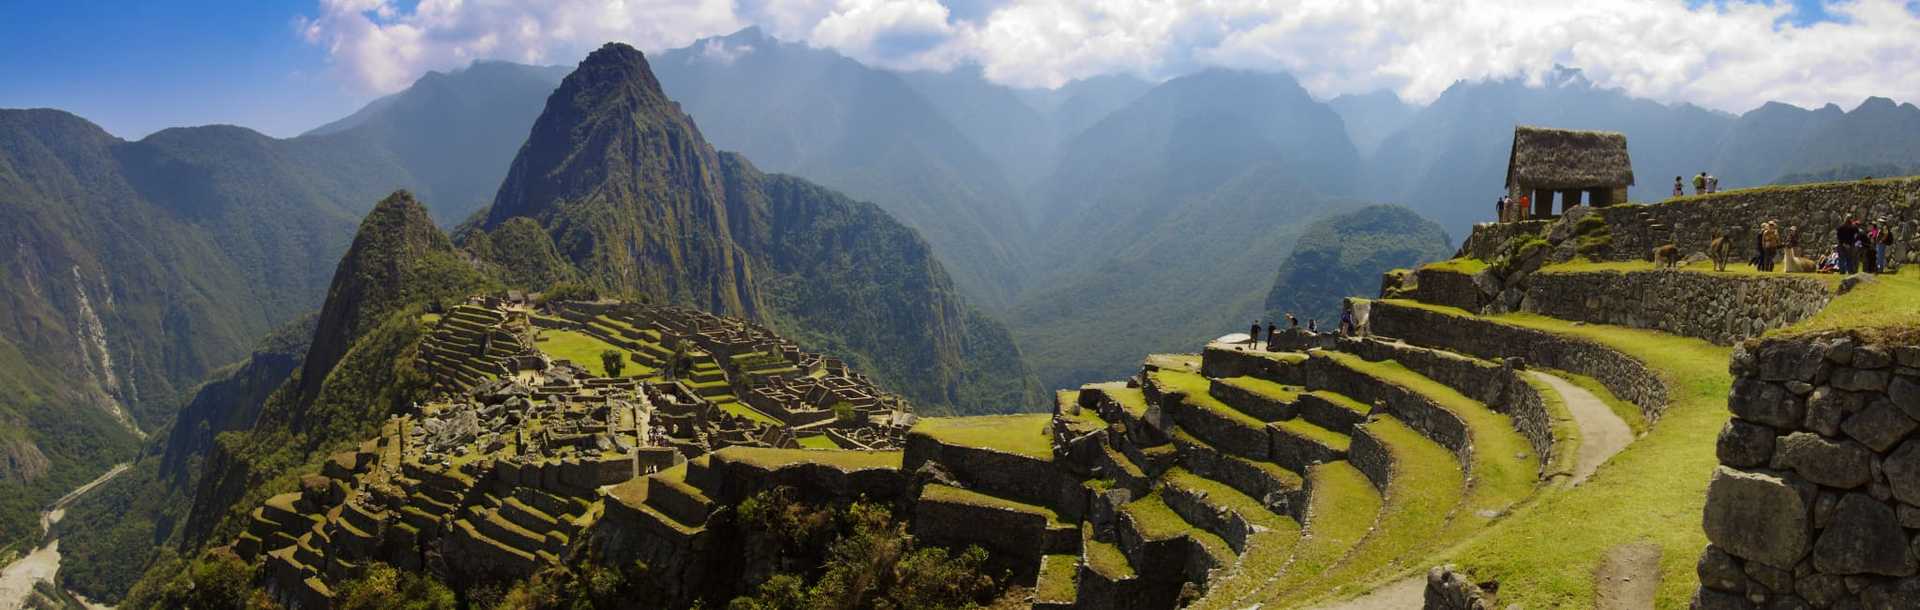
(944, 305)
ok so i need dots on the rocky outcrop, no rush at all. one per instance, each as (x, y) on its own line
(21, 461)
(1819, 479)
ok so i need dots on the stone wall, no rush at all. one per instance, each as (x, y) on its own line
(1626, 377)
(1721, 308)
(1446, 287)
(1486, 238)
(1815, 208)
(1371, 458)
(1818, 488)
(997, 473)
(1499, 387)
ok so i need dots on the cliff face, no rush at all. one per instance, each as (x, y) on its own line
(633, 196)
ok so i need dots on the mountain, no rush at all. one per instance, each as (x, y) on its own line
(632, 195)
(1169, 216)
(1371, 117)
(1344, 255)
(357, 370)
(133, 269)
(1080, 103)
(454, 132)
(863, 131)
(1775, 140)
(1020, 140)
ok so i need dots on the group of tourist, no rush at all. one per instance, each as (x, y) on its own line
(1857, 248)
(1293, 325)
(1703, 184)
(1861, 249)
(1508, 209)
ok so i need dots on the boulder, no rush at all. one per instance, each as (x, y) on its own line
(1861, 380)
(1745, 445)
(1880, 426)
(1758, 516)
(1905, 394)
(1720, 571)
(1767, 403)
(1790, 360)
(1902, 468)
(1843, 464)
(1865, 538)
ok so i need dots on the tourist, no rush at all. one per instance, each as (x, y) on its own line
(1526, 203)
(1677, 189)
(1844, 236)
(1273, 330)
(1346, 322)
(1713, 184)
(1500, 209)
(1310, 325)
(1700, 184)
(1254, 335)
(1868, 252)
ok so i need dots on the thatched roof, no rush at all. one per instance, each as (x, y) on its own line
(1558, 159)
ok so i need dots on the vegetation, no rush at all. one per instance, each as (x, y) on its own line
(1885, 307)
(1343, 255)
(852, 556)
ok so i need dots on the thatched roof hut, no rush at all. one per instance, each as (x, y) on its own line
(1569, 162)
(1566, 159)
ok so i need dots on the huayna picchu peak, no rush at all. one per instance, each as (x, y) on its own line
(959, 306)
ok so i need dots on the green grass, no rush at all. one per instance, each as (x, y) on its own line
(1059, 578)
(1224, 496)
(1464, 266)
(584, 350)
(1500, 479)
(1194, 388)
(1653, 491)
(935, 492)
(1422, 512)
(742, 410)
(1340, 513)
(1104, 557)
(1025, 435)
(1299, 426)
(1130, 399)
(1268, 389)
(1155, 521)
(774, 459)
(817, 441)
(1887, 308)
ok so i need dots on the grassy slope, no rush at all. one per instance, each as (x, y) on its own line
(1018, 434)
(1653, 491)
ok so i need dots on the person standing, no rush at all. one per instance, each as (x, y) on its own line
(1255, 335)
(1844, 237)
(1346, 322)
(1713, 184)
(1700, 184)
(1884, 244)
(1292, 322)
(1526, 203)
(1677, 189)
(1272, 331)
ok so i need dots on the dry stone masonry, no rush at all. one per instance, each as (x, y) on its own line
(1817, 494)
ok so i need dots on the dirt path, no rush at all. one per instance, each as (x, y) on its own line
(1628, 577)
(18, 578)
(1602, 434)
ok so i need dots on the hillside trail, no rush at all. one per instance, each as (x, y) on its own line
(17, 579)
(1626, 577)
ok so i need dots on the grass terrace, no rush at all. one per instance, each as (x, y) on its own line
(1653, 491)
(584, 350)
(774, 459)
(1464, 266)
(1499, 478)
(817, 441)
(1059, 577)
(1104, 557)
(1341, 510)
(1422, 510)
(1888, 304)
(953, 495)
(1130, 399)
(1025, 435)
(742, 410)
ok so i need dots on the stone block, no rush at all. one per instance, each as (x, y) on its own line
(1902, 468)
(1789, 360)
(1861, 380)
(1765, 403)
(1865, 538)
(1745, 445)
(1758, 516)
(1824, 411)
(1721, 572)
(1880, 426)
(1821, 590)
(1905, 394)
(1843, 464)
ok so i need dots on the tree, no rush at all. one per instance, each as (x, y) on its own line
(613, 361)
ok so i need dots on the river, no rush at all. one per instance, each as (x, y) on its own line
(18, 578)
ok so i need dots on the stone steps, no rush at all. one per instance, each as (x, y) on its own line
(1165, 546)
(1219, 508)
(1268, 482)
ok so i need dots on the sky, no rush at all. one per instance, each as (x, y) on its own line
(285, 66)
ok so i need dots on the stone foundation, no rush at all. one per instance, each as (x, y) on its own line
(1818, 487)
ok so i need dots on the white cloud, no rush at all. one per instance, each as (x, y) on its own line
(1728, 55)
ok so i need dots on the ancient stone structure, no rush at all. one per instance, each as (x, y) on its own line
(1723, 309)
(1547, 162)
(1818, 488)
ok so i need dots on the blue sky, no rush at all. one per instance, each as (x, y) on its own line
(284, 66)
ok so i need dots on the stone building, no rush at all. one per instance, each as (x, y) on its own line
(1571, 163)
